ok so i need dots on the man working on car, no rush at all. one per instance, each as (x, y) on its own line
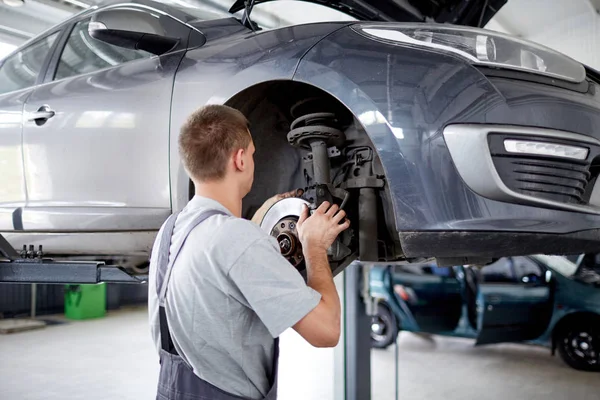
(220, 292)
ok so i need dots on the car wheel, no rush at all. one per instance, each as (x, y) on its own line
(384, 328)
(579, 346)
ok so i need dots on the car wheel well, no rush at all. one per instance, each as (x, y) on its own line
(271, 107)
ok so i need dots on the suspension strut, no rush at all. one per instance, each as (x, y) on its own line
(316, 130)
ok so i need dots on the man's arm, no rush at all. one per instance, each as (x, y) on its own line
(321, 326)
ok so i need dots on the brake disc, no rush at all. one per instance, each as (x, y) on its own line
(280, 222)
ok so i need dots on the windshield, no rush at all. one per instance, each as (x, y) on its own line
(558, 263)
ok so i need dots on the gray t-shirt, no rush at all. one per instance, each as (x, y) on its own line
(230, 294)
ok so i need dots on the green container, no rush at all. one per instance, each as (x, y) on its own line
(85, 301)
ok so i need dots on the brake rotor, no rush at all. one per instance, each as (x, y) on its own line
(280, 221)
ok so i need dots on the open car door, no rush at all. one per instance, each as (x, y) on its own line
(433, 295)
(515, 301)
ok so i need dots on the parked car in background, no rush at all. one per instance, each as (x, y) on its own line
(441, 140)
(539, 299)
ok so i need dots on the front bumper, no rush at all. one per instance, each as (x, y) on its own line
(556, 182)
(406, 98)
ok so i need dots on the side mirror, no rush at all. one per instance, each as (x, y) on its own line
(131, 29)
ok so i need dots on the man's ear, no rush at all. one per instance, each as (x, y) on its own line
(238, 160)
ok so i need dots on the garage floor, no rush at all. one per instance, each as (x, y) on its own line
(113, 358)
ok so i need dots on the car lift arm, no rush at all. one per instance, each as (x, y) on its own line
(30, 267)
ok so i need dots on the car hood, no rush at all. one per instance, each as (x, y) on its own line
(475, 13)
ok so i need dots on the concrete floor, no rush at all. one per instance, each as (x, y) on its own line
(113, 358)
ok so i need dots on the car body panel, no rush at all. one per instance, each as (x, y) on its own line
(570, 298)
(82, 161)
(415, 104)
(435, 298)
(405, 97)
(512, 312)
(13, 194)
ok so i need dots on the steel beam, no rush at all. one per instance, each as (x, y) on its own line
(50, 272)
(358, 337)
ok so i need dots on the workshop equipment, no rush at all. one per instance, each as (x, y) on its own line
(30, 266)
(85, 301)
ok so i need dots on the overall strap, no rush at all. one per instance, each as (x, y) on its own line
(164, 267)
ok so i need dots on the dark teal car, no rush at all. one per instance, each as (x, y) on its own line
(545, 300)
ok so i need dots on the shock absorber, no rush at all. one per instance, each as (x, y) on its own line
(316, 130)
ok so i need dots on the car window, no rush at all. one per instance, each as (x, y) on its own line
(527, 270)
(560, 264)
(424, 269)
(83, 54)
(21, 70)
(499, 272)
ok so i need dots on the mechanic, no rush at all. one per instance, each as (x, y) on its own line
(220, 292)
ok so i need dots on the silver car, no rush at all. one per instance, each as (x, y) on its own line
(439, 140)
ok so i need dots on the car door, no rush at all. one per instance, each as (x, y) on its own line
(433, 295)
(515, 301)
(96, 158)
(19, 73)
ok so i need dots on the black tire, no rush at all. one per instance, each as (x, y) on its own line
(579, 346)
(387, 330)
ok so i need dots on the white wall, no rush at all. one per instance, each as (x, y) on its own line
(576, 37)
(569, 26)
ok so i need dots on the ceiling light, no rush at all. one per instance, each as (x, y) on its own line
(14, 3)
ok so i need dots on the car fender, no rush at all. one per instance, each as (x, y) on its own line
(565, 317)
(216, 72)
(375, 124)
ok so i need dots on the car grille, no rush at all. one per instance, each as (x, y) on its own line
(562, 181)
(545, 177)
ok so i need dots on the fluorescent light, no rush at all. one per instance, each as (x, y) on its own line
(13, 3)
(5, 49)
(545, 149)
(77, 3)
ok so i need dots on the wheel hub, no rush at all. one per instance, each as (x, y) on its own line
(582, 346)
(280, 221)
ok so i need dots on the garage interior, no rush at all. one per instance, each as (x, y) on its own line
(47, 355)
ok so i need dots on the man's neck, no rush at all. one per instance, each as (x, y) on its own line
(223, 193)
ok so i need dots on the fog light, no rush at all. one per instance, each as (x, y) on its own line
(545, 149)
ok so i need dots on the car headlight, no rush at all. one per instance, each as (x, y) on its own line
(479, 46)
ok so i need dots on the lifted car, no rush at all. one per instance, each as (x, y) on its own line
(438, 138)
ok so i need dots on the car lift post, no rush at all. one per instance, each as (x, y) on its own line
(29, 266)
(357, 320)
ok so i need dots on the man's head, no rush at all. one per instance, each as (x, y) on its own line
(215, 145)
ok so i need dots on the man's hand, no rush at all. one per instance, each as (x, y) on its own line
(319, 231)
(260, 213)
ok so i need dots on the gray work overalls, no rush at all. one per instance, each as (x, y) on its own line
(177, 380)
